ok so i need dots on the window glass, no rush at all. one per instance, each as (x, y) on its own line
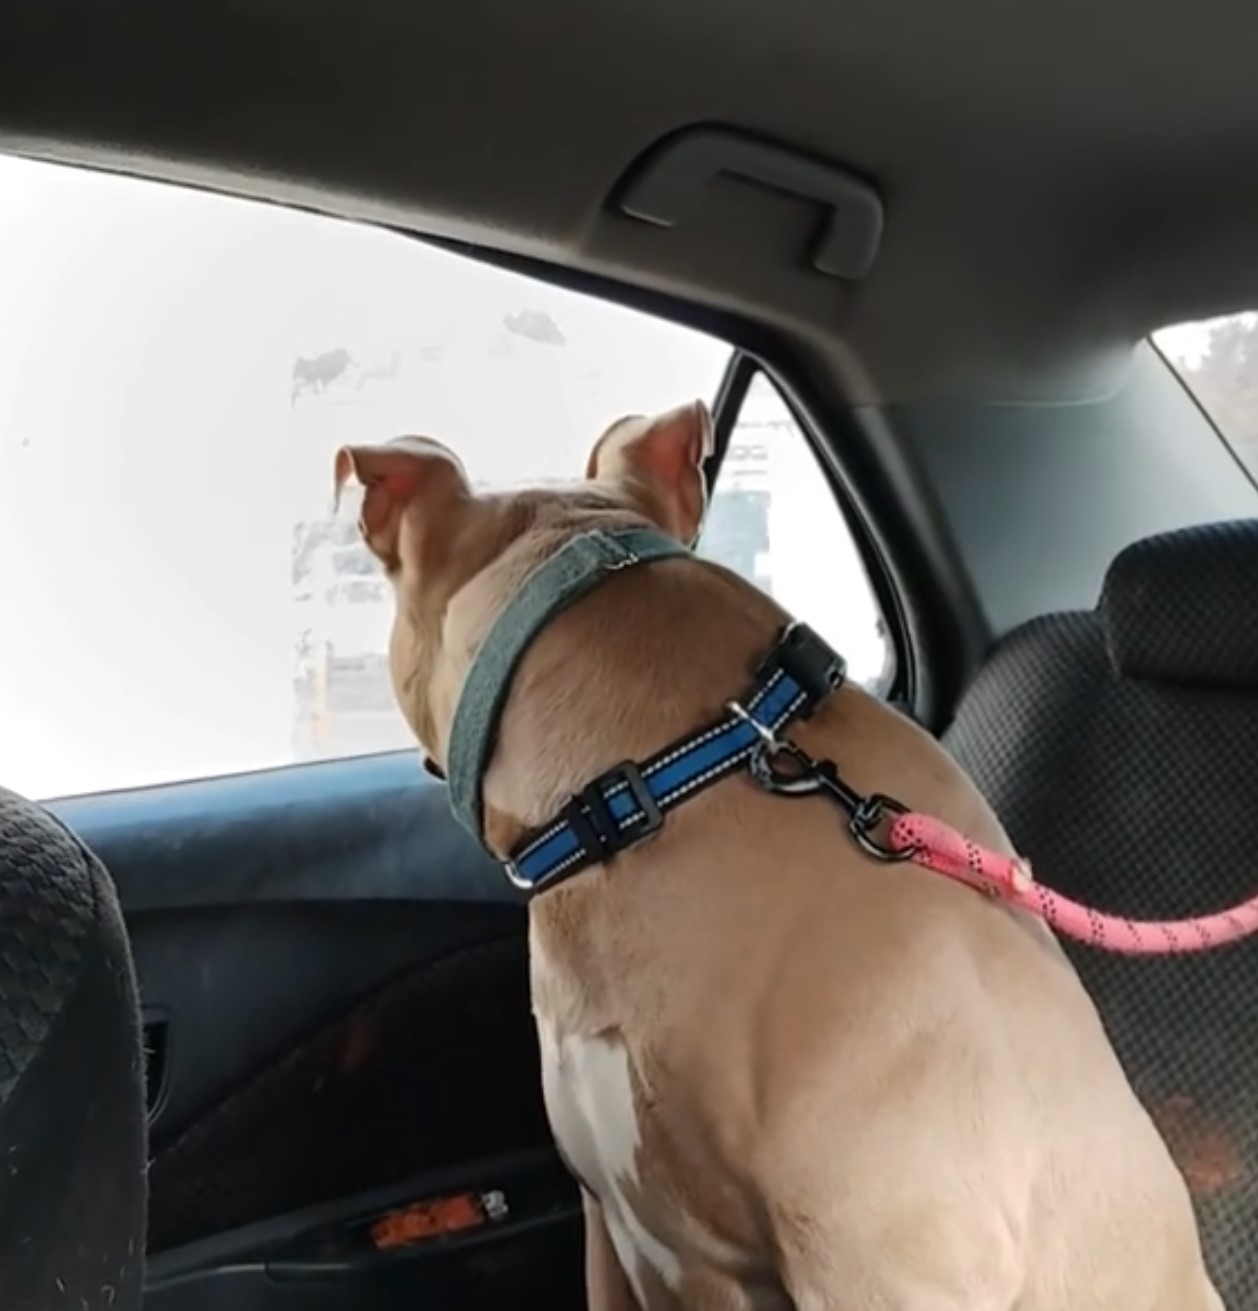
(774, 519)
(1217, 359)
(176, 371)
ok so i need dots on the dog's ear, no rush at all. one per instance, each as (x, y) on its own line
(660, 461)
(397, 475)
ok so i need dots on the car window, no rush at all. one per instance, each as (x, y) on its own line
(775, 520)
(1217, 360)
(176, 370)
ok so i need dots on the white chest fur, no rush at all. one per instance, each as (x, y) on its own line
(590, 1100)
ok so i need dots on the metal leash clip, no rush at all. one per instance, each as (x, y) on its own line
(785, 770)
(873, 813)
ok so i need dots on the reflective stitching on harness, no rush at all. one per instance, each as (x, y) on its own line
(568, 842)
(671, 757)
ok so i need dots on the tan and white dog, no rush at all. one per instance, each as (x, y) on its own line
(784, 1074)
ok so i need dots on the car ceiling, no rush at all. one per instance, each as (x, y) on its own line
(1058, 178)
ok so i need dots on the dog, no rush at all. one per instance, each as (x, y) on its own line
(784, 1073)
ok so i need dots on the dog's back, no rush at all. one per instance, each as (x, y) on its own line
(874, 1085)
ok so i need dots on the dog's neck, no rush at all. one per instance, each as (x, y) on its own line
(620, 674)
(582, 564)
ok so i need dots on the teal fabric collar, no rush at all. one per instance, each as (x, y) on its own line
(575, 569)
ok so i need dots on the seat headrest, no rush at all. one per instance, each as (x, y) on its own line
(1182, 607)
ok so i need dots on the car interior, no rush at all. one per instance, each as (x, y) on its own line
(968, 291)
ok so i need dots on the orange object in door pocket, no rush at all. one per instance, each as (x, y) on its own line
(436, 1218)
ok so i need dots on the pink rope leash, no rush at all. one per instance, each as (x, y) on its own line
(934, 845)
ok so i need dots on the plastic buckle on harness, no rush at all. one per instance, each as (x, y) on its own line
(596, 827)
(808, 661)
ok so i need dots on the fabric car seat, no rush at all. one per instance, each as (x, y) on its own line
(72, 1103)
(1120, 749)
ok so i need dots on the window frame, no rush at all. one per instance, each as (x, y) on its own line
(743, 369)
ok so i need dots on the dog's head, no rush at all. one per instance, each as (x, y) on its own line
(455, 556)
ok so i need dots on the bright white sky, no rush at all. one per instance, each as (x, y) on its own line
(151, 467)
(1184, 343)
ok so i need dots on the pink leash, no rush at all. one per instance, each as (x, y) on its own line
(935, 846)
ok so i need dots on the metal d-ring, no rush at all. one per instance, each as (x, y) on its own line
(769, 740)
(515, 878)
(808, 777)
(802, 781)
(872, 811)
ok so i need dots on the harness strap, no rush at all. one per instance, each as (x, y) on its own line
(628, 803)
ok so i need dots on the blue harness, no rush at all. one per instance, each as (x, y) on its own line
(628, 803)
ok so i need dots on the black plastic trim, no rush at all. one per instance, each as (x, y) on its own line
(726, 407)
(271, 1243)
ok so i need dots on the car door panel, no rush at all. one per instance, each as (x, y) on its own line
(335, 986)
(324, 1256)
